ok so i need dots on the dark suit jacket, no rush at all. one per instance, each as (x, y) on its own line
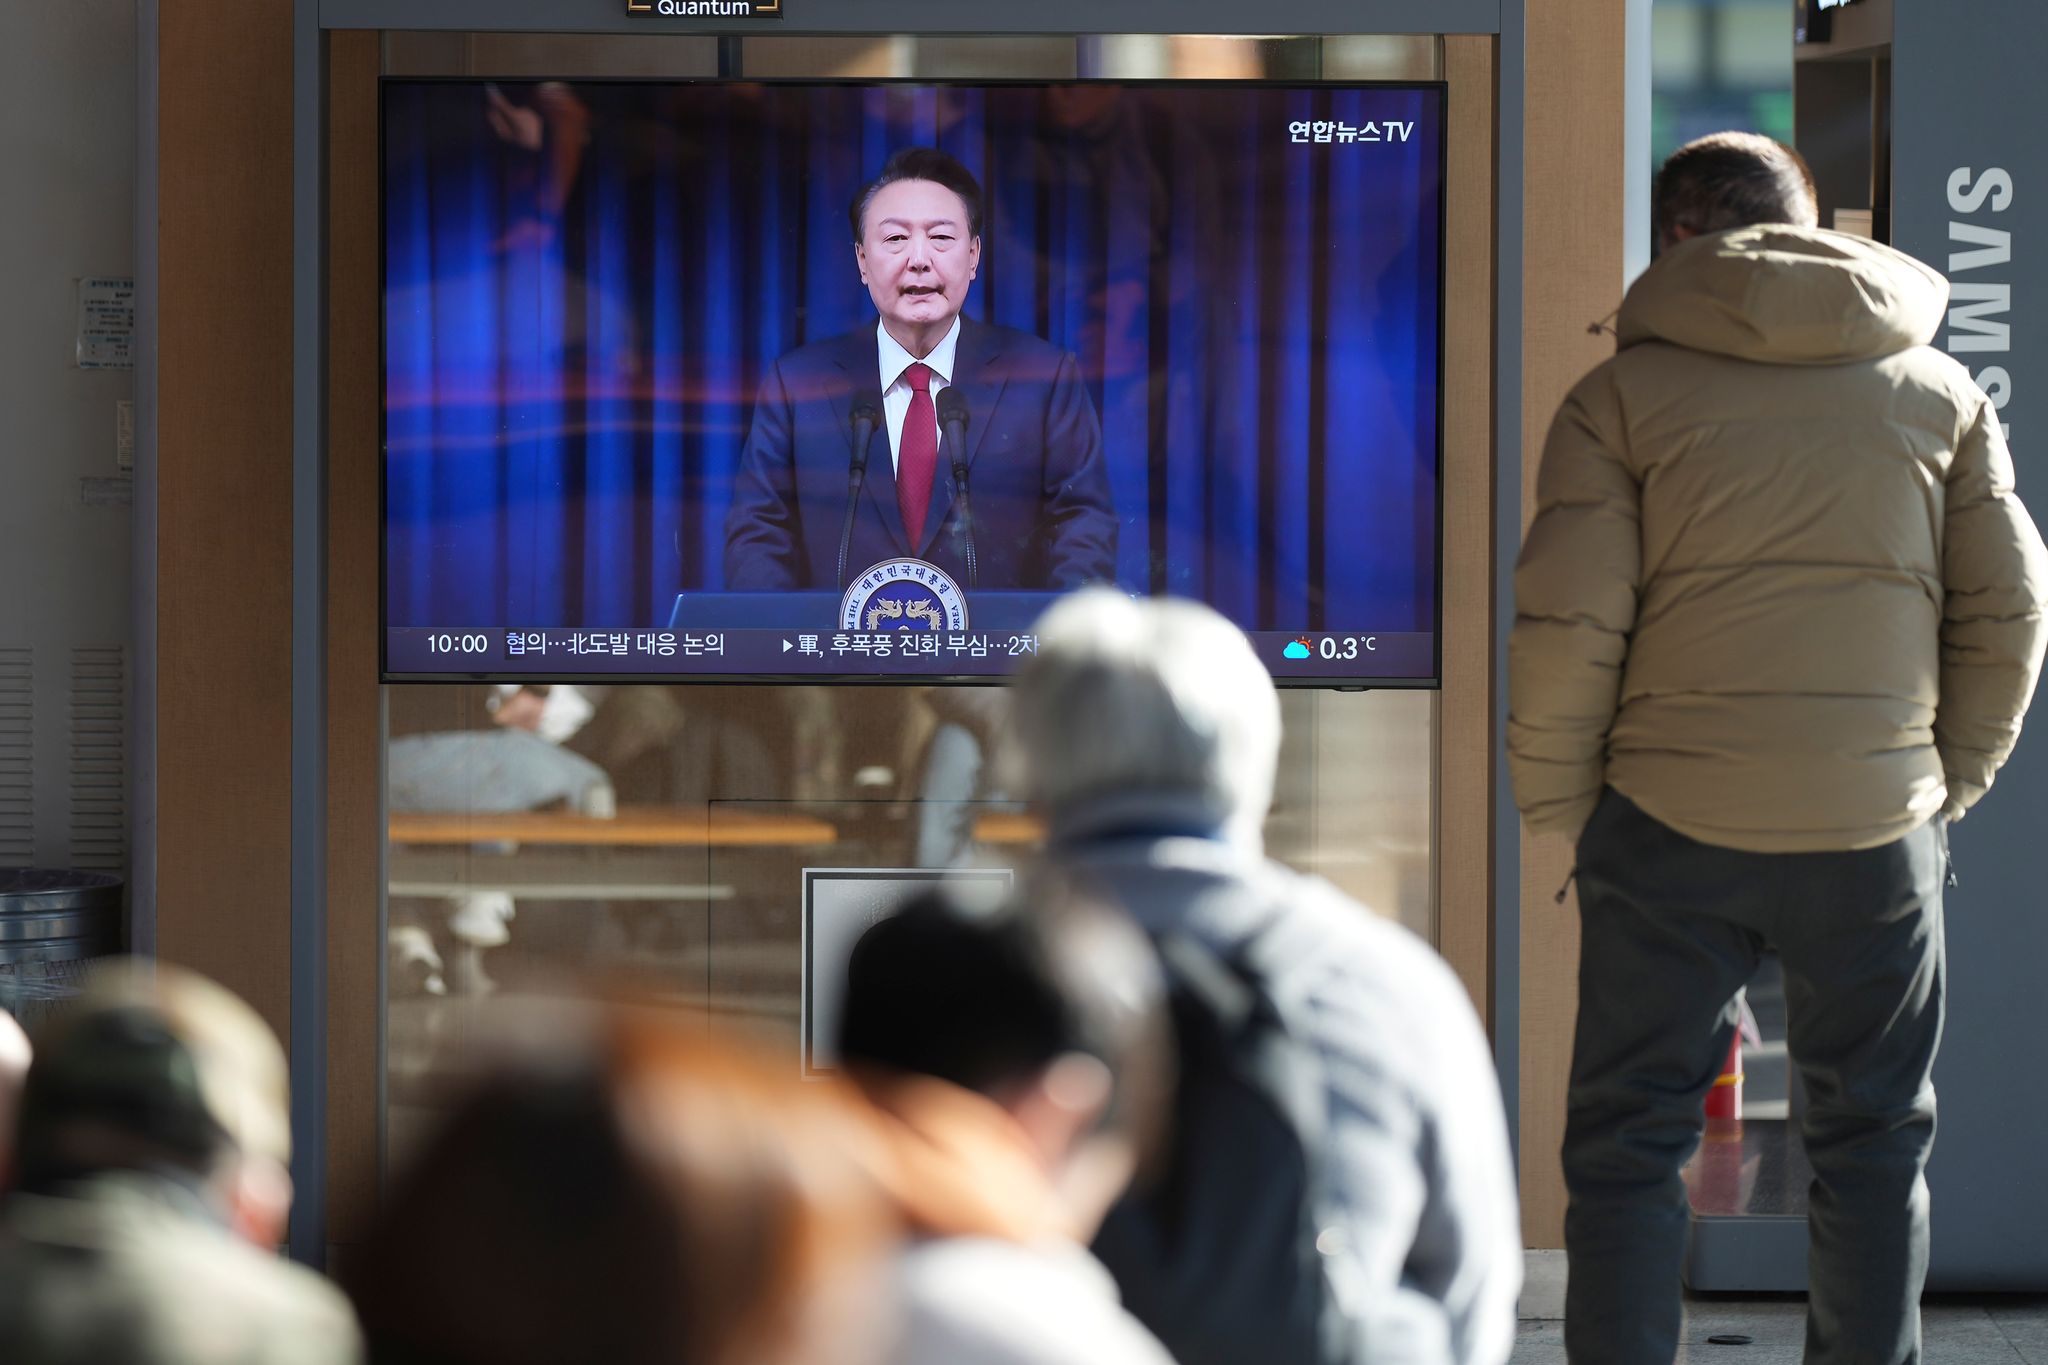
(1036, 480)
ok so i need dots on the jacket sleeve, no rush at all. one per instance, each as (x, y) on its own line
(1419, 1179)
(1576, 586)
(1079, 518)
(764, 534)
(1378, 1198)
(1994, 575)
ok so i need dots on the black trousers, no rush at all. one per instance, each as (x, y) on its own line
(1671, 929)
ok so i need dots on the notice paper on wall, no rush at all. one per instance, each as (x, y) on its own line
(106, 322)
(96, 490)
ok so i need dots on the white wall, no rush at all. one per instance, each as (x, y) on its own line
(67, 196)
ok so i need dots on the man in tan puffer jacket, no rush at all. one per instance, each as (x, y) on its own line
(1777, 621)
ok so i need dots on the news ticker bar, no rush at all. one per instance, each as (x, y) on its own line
(687, 653)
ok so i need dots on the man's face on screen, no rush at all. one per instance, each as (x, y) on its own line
(917, 258)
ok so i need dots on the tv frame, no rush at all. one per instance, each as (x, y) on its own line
(1323, 682)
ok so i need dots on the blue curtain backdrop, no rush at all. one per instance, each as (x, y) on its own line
(584, 286)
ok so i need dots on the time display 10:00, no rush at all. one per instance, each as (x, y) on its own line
(445, 642)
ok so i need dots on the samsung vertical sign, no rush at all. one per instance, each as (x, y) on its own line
(1980, 272)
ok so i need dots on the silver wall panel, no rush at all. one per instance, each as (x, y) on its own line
(1970, 197)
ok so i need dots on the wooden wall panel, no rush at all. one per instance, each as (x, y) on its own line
(354, 729)
(1464, 824)
(1573, 271)
(224, 495)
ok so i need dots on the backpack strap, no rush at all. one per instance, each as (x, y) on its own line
(1240, 987)
(1218, 984)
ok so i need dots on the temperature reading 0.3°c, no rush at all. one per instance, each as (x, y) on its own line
(1345, 646)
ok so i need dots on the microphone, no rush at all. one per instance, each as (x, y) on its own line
(867, 415)
(953, 422)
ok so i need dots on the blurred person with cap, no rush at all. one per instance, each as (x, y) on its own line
(150, 1187)
(1147, 733)
(1019, 1058)
(627, 1190)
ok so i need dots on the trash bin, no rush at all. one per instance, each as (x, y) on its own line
(53, 922)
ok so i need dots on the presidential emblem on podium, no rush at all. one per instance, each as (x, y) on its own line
(903, 595)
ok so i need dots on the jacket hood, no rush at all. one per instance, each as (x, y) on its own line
(1785, 296)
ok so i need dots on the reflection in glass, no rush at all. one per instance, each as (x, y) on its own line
(544, 840)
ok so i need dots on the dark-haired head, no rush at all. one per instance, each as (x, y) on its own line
(1731, 180)
(919, 163)
(917, 244)
(1051, 994)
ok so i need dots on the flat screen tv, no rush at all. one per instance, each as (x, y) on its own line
(721, 380)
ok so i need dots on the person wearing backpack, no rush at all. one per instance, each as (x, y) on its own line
(1338, 1186)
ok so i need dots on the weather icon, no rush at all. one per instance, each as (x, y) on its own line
(1297, 648)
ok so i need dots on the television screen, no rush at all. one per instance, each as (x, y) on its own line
(728, 380)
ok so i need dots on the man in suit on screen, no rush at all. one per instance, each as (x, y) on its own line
(1038, 490)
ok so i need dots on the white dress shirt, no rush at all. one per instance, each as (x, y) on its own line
(896, 389)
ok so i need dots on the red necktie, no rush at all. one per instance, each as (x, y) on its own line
(918, 456)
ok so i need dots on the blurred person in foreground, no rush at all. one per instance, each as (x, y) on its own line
(1019, 1056)
(151, 1188)
(634, 1194)
(1373, 1217)
(1777, 621)
(14, 1058)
